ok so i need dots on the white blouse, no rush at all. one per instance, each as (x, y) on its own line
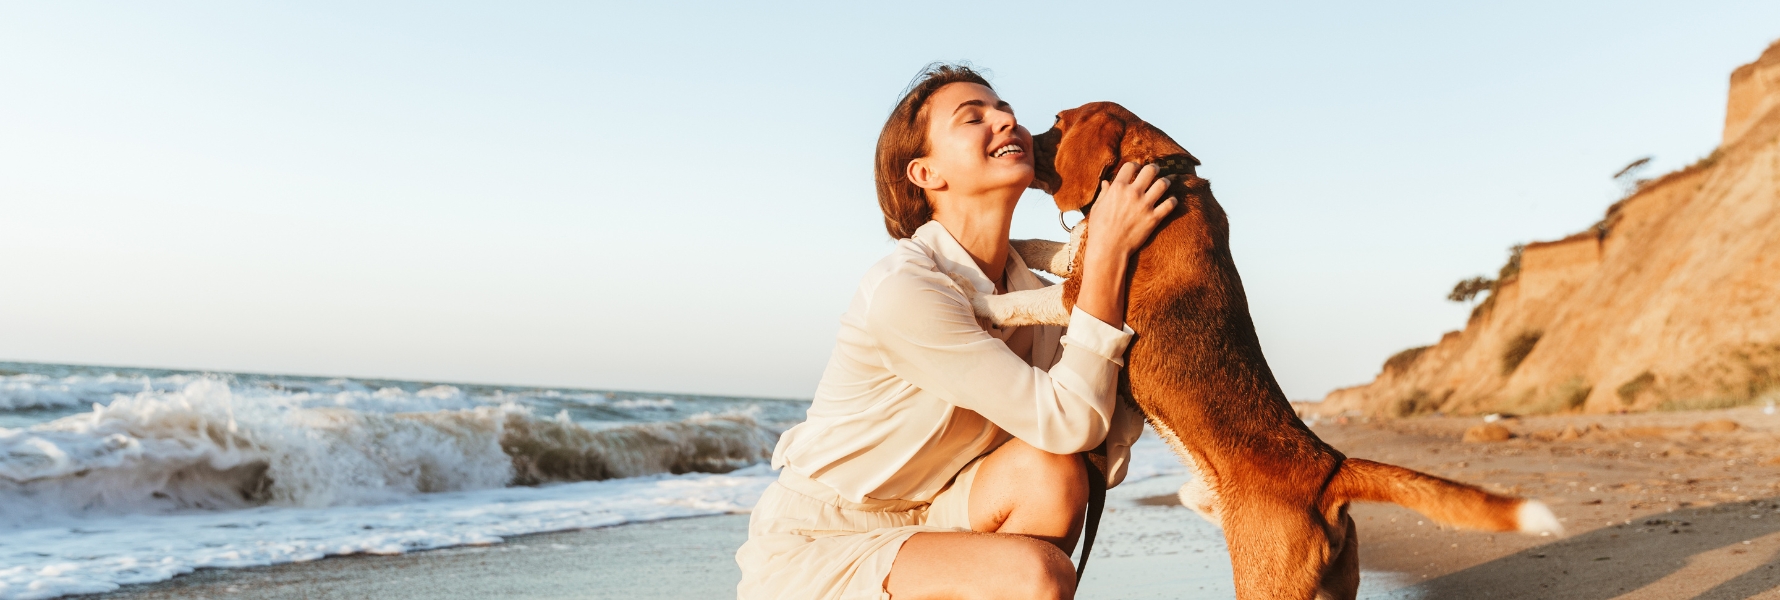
(917, 387)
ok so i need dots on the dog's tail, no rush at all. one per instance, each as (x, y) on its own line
(1445, 501)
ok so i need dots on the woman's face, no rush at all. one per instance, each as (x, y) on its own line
(974, 144)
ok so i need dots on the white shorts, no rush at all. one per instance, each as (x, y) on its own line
(805, 542)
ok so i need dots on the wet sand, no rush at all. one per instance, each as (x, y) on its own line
(1657, 506)
(684, 558)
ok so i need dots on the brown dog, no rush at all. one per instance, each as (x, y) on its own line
(1196, 370)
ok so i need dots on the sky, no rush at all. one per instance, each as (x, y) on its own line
(677, 197)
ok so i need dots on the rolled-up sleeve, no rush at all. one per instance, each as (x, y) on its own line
(927, 335)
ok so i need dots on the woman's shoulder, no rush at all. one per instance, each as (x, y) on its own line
(908, 273)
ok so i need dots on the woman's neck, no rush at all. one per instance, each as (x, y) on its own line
(983, 233)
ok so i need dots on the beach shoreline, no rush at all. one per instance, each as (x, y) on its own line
(1657, 505)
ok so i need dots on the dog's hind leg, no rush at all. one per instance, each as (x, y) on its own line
(1277, 551)
(1341, 580)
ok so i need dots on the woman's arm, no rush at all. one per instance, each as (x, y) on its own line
(1125, 215)
(926, 334)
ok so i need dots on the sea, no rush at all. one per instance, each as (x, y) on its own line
(112, 476)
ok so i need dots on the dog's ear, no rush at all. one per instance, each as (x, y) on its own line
(1088, 153)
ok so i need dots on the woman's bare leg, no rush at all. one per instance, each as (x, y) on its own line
(1023, 490)
(979, 566)
(1027, 505)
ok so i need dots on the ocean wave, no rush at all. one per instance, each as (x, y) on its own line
(392, 399)
(27, 391)
(644, 403)
(559, 450)
(208, 446)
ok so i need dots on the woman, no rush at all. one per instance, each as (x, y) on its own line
(938, 459)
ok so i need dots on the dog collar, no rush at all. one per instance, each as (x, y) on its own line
(1176, 164)
(1166, 166)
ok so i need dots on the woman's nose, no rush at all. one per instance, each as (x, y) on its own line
(1004, 121)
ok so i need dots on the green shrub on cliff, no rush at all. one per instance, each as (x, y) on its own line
(1628, 391)
(1401, 361)
(1417, 404)
(1518, 349)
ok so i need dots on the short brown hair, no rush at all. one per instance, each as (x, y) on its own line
(905, 139)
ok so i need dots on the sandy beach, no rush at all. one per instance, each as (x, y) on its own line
(1660, 505)
(1657, 505)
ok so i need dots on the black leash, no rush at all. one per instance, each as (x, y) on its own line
(1096, 505)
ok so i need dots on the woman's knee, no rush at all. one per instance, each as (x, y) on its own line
(1038, 570)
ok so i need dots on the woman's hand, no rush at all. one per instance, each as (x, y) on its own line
(1127, 211)
(1124, 216)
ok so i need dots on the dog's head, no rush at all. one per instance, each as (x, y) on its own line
(1087, 145)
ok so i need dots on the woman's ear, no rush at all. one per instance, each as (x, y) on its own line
(921, 174)
(1083, 156)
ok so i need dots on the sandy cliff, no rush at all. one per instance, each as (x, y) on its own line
(1671, 301)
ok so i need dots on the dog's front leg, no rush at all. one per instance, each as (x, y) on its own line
(1043, 306)
(1056, 258)
(1044, 255)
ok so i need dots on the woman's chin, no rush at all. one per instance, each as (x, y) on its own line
(1015, 174)
(1016, 185)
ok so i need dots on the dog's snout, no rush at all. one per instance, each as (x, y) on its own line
(1044, 152)
(1045, 144)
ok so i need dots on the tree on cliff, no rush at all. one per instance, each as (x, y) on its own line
(1628, 177)
(1470, 288)
(1511, 269)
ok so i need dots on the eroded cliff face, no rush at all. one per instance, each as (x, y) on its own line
(1672, 301)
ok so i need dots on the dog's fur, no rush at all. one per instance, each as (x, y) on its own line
(1197, 371)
